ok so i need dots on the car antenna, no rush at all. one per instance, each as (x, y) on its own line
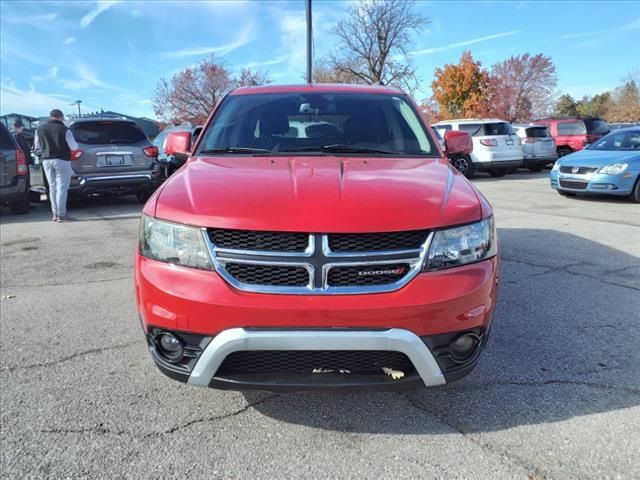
(309, 43)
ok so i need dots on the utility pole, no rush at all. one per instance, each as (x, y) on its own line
(309, 43)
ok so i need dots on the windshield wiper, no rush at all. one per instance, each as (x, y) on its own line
(234, 150)
(339, 148)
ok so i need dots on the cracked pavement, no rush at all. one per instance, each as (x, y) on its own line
(556, 394)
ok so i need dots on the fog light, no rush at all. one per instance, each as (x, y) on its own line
(463, 347)
(170, 347)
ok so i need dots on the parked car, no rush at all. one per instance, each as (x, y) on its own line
(572, 134)
(496, 149)
(616, 126)
(359, 259)
(609, 166)
(114, 158)
(460, 158)
(170, 163)
(538, 146)
(14, 174)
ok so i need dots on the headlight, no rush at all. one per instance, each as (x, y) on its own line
(462, 245)
(173, 243)
(556, 167)
(613, 169)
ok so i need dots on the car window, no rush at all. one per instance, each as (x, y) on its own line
(473, 129)
(537, 132)
(276, 122)
(571, 128)
(104, 133)
(596, 127)
(497, 128)
(619, 140)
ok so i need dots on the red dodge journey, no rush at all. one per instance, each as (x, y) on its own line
(316, 239)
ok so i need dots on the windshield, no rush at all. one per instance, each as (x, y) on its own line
(619, 140)
(104, 133)
(345, 123)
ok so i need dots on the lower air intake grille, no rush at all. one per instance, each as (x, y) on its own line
(575, 185)
(305, 361)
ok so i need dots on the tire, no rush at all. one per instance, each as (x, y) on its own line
(635, 193)
(464, 165)
(143, 196)
(536, 168)
(564, 151)
(20, 208)
(498, 172)
(566, 194)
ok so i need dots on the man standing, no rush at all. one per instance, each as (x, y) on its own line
(18, 127)
(56, 141)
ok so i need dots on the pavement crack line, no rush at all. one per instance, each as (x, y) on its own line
(54, 284)
(214, 418)
(565, 269)
(70, 357)
(506, 457)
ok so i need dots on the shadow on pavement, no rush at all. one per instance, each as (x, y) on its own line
(82, 209)
(564, 344)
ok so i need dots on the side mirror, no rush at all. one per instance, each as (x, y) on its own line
(458, 142)
(178, 143)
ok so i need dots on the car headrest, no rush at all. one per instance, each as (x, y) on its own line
(274, 123)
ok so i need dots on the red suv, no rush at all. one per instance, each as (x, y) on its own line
(342, 254)
(574, 133)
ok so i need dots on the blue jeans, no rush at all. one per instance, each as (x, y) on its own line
(58, 174)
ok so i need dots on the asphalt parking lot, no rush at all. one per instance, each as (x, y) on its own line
(556, 394)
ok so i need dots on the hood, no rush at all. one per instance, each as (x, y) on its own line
(599, 158)
(318, 194)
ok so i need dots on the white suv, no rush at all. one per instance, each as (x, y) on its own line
(496, 148)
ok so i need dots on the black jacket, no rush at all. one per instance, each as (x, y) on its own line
(51, 137)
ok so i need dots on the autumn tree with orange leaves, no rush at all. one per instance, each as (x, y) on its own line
(461, 90)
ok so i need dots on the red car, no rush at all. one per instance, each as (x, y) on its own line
(343, 254)
(574, 133)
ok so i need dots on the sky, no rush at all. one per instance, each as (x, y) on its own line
(111, 54)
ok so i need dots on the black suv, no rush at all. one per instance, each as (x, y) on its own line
(14, 174)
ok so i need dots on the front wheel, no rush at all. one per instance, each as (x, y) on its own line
(564, 151)
(497, 172)
(464, 165)
(635, 193)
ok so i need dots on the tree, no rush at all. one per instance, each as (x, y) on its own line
(626, 106)
(597, 106)
(192, 93)
(374, 41)
(461, 90)
(566, 106)
(522, 87)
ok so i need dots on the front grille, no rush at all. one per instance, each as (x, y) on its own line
(269, 275)
(257, 240)
(361, 275)
(306, 361)
(573, 184)
(373, 242)
(303, 263)
(581, 170)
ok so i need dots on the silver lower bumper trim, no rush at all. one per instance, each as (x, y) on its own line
(239, 339)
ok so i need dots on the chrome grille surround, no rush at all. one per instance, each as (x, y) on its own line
(318, 259)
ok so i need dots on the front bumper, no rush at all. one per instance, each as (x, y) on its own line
(412, 320)
(594, 183)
